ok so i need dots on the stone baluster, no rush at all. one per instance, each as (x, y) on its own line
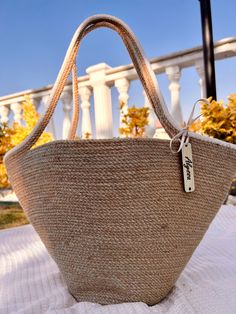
(85, 93)
(173, 74)
(36, 101)
(17, 112)
(50, 126)
(199, 65)
(102, 100)
(122, 86)
(66, 99)
(152, 118)
(4, 114)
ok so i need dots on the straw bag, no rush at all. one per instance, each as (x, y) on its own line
(121, 217)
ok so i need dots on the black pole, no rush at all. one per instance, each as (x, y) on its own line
(208, 48)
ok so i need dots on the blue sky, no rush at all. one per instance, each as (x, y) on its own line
(35, 35)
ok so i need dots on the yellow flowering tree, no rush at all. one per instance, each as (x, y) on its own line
(134, 121)
(5, 146)
(218, 120)
(30, 117)
(12, 136)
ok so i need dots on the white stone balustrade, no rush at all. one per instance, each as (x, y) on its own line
(98, 83)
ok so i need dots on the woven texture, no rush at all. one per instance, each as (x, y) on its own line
(30, 281)
(113, 213)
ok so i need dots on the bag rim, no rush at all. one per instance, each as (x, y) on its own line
(192, 135)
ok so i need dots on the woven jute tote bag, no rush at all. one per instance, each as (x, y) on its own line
(114, 213)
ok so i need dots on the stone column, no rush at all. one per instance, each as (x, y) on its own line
(66, 99)
(36, 101)
(199, 65)
(4, 112)
(17, 112)
(152, 118)
(50, 126)
(85, 93)
(173, 74)
(122, 86)
(102, 100)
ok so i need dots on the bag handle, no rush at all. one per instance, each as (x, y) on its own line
(141, 64)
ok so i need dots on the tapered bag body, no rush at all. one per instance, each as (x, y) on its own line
(113, 213)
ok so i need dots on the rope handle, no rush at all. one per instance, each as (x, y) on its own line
(141, 64)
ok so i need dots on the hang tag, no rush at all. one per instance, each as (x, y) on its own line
(187, 163)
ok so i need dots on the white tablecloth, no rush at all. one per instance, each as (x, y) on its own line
(31, 283)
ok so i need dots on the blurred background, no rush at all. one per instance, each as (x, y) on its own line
(35, 35)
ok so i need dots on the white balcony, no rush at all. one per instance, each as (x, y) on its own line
(100, 80)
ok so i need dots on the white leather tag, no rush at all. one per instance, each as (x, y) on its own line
(187, 163)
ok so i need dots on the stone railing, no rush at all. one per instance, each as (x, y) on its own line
(99, 81)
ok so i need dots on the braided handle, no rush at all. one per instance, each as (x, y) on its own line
(141, 64)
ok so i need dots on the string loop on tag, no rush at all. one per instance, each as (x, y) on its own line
(182, 137)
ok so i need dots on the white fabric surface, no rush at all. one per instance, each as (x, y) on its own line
(31, 283)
